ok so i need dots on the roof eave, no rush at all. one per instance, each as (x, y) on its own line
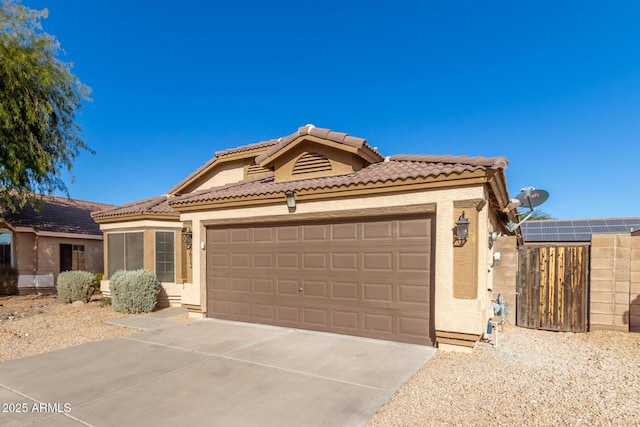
(135, 216)
(398, 185)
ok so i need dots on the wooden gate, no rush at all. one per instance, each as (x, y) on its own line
(553, 288)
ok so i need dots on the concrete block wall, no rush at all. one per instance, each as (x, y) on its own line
(634, 285)
(615, 282)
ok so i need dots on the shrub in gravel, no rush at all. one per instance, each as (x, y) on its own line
(98, 279)
(75, 286)
(134, 291)
(8, 280)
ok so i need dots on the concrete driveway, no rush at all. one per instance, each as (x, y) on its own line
(208, 373)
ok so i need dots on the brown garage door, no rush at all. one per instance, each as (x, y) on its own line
(366, 278)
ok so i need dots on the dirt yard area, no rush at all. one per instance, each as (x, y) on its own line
(532, 378)
(31, 325)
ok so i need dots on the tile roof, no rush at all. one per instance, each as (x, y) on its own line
(491, 162)
(157, 204)
(249, 147)
(395, 168)
(218, 154)
(59, 215)
(323, 133)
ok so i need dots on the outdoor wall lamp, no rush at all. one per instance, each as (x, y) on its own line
(291, 199)
(462, 228)
(187, 237)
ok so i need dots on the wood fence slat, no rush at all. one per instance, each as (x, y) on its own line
(553, 287)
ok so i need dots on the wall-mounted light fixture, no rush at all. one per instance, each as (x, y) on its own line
(462, 228)
(291, 199)
(187, 239)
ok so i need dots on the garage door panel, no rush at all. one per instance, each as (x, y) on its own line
(412, 326)
(345, 320)
(287, 234)
(315, 261)
(344, 232)
(414, 229)
(378, 292)
(220, 306)
(264, 312)
(378, 230)
(241, 284)
(264, 260)
(344, 261)
(219, 260)
(287, 287)
(219, 283)
(240, 260)
(380, 323)
(241, 310)
(413, 294)
(316, 317)
(377, 261)
(219, 235)
(345, 290)
(263, 286)
(314, 233)
(367, 278)
(240, 235)
(288, 314)
(288, 260)
(263, 235)
(314, 288)
(413, 261)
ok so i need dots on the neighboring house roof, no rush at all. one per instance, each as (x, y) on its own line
(155, 205)
(57, 215)
(576, 230)
(395, 168)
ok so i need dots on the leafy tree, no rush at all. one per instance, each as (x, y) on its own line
(39, 99)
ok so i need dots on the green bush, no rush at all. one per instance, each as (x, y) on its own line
(134, 291)
(98, 279)
(8, 280)
(75, 286)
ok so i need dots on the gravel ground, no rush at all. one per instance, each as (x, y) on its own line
(533, 378)
(31, 325)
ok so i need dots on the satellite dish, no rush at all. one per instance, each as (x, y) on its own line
(530, 197)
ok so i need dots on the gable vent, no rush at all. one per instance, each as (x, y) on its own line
(310, 163)
(256, 170)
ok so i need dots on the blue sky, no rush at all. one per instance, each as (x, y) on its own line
(553, 86)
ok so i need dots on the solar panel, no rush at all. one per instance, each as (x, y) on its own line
(576, 230)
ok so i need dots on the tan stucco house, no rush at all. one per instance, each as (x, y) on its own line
(54, 235)
(319, 230)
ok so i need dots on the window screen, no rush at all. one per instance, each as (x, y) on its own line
(125, 251)
(165, 256)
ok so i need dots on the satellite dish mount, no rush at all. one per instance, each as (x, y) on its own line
(528, 197)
